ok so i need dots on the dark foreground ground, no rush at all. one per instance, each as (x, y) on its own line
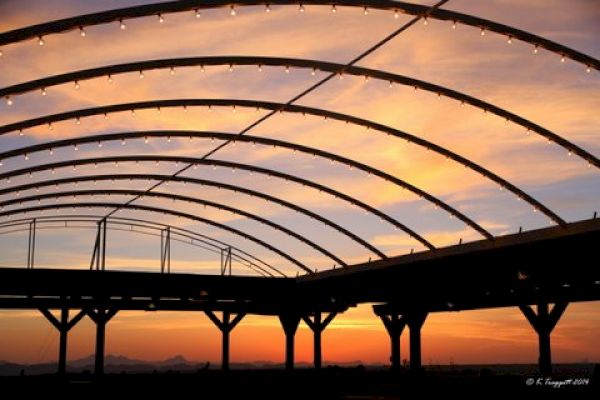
(330, 383)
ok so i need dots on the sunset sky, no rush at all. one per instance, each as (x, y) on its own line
(560, 96)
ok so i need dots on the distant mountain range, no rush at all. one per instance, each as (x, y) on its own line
(118, 363)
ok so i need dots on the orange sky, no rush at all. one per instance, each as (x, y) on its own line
(559, 96)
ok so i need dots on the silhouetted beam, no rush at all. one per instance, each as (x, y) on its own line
(81, 21)
(253, 139)
(204, 182)
(548, 265)
(225, 164)
(161, 211)
(158, 104)
(189, 234)
(77, 76)
(187, 199)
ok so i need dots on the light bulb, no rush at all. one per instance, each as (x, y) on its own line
(81, 32)
(141, 74)
(588, 69)
(562, 59)
(77, 121)
(313, 72)
(122, 25)
(396, 14)
(44, 91)
(76, 147)
(301, 8)
(77, 86)
(106, 116)
(454, 25)
(50, 127)
(267, 8)
(1, 53)
(333, 9)
(482, 31)
(146, 139)
(169, 139)
(232, 11)
(41, 41)
(365, 11)
(109, 79)
(509, 41)
(172, 71)
(122, 142)
(160, 18)
(259, 68)
(287, 69)
(535, 49)
(425, 21)
(99, 144)
(9, 101)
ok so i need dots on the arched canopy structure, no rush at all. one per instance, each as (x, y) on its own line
(149, 185)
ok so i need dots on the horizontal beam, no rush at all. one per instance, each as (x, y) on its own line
(116, 15)
(291, 108)
(228, 137)
(201, 182)
(41, 84)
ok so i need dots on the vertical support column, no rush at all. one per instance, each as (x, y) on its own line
(543, 323)
(98, 260)
(63, 326)
(31, 244)
(394, 325)
(100, 317)
(225, 325)
(415, 322)
(318, 326)
(165, 250)
(289, 322)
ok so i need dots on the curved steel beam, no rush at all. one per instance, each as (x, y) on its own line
(253, 139)
(41, 84)
(49, 119)
(225, 164)
(161, 211)
(120, 226)
(188, 199)
(189, 234)
(115, 15)
(203, 182)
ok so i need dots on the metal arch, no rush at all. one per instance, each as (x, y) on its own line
(226, 164)
(182, 198)
(302, 63)
(49, 119)
(204, 182)
(261, 140)
(203, 238)
(161, 211)
(81, 21)
(205, 246)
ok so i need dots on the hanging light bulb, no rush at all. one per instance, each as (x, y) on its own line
(267, 8)
(109, 79)
(51, 152)
(454, 25)
(122, 142)
(287, 69)
(197, 13)
(562, 58)
(99, 144)
(230, 67)
(160, 18)
(77, 121)
(77, 86)
(141, 74)
(333, 9)
(509, 40)
(259, 68)
(41, 41)
(1, 53)
(172, 70)
(301, 8)
(122, 25)
(146, 139)
(232, 11)
(396, 14)
(313, 72)
(535, 49)
(44, 91)
(9, 101)
(50, 127)
(82, 31)
(588, 69)
(133, 113)
(75, 147)
(168, 139)
(202, 68)
(106, 116)
(425, 21)
(482, 32)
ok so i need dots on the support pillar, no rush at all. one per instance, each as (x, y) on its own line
(317, 325)
(543, 323)
(394, 325)
(289, 322)
(415, 322)
(63, 326)
(100, 316)
(225, 325)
